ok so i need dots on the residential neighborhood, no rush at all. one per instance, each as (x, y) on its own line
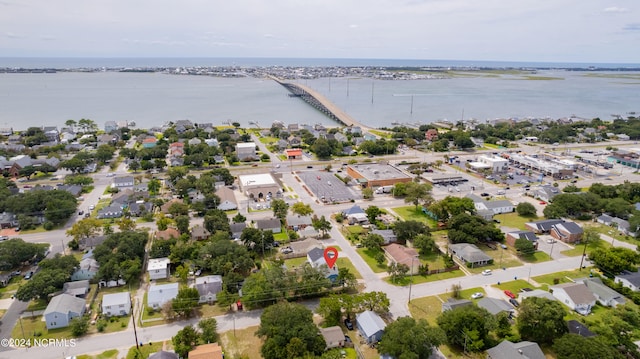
(172, 229)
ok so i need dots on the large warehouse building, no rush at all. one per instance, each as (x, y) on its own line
(375, 174)
(258, 186)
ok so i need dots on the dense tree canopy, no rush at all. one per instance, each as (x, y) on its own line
(466, 228)
(120, 256)
(541, 320)
(15, 251)
(407, 338)
(288, 331)
(467, 327)
(574, 346)
(614, 260)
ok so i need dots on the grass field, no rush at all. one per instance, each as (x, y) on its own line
(417, 279)
(579, 249)
(346, 263)
(514, 286)
(109, 354)
(536, 257)
(368, 256)
(35, 327)
(513, 220)
(241, 343)
(562, 277)
(430, 308)
(409, 213)
(144, 351)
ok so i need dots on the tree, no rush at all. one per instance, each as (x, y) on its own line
(397, 271)
(425, 243)
(208, 328)
(407, 230)
(541, 320)
(256, 239)
(301, 209)
(408, 338)
(418, 193)
(15, 251)
(134, 165)
(467, 327)
(346, 278)
(373, 241)
(185, 302)
(185, 340)
(182, 223)
(289, 332)
(367, 193)
(79, 326)
(239, 218)
(322, 148)
(154, 186)
(163, 222)
(126, 224)
(614, 260)
(280, 208)
(330, 308)
(372, 213)
(85, 228)
(574, 346)
(321, 224)
(525, 247)
(526, 209)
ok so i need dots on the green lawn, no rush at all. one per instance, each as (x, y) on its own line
(295, 262)
(109, 354)
(514, 286)
(429, 308)
(281, 237)
(368, 256)
(346, 263)
(513, 220)
(536, 257)
(611, 232)
(562, 277)
(35, 327)
(409, 213)
(579, 248)
(144, 351)
(418, 279)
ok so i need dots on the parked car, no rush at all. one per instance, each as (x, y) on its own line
(543, 203)
(286, 250)
(347, 339)
(477, 295)
(4, 238)
(80, 213)
(486, 272)
(484, 194)
(92, 207)
(514, 302)
(551, 241)
(28, 275)
(509, 294)
(348, 323)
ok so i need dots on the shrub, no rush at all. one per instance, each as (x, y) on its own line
(48, 225)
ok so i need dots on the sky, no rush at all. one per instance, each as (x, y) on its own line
(589, 31)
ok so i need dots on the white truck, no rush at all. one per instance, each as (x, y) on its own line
(384, 189)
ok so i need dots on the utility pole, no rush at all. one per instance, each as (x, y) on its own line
(411, 282)
(133, 318)
(584, 253)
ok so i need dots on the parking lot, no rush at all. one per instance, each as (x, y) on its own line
(326, 186)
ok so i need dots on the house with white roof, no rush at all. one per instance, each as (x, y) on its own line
(246, 151)
(158, 295)
(370, 326)
(116, 304)
(158, 268)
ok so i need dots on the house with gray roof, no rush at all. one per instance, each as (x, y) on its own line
(208, 287)
(528, 235)
(333, 337)
(122, 182)
(228, 199)
(537, 293)
(111, 211)
(315, 257)
(605, 295)
(87, 269)
(236, 229)
(495, 305)
(370, 326)
(629, 279)
(116, 304)
(158, 295)
(387, 234)
(162, 354)
(269, 224)
(545, 193)
(61, 309)
(453, 303)
(470, 254)
(509, 350)
(297, 222)
(543, 226)
(78, 288)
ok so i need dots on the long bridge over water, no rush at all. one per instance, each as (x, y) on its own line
(319, 102)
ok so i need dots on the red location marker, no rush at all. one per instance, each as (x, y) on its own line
(330, 256)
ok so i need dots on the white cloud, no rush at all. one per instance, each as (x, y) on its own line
(615, 9)
(12, 35)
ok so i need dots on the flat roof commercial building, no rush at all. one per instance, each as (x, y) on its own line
(371, 175)
(258, 186)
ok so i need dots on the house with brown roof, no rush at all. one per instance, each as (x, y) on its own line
(168, 234)
(431, 134)
(575, 296)
(206, 351)
(333, 336)
(165, 207)
(199, 233)
(400, 254)
(228, 201)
